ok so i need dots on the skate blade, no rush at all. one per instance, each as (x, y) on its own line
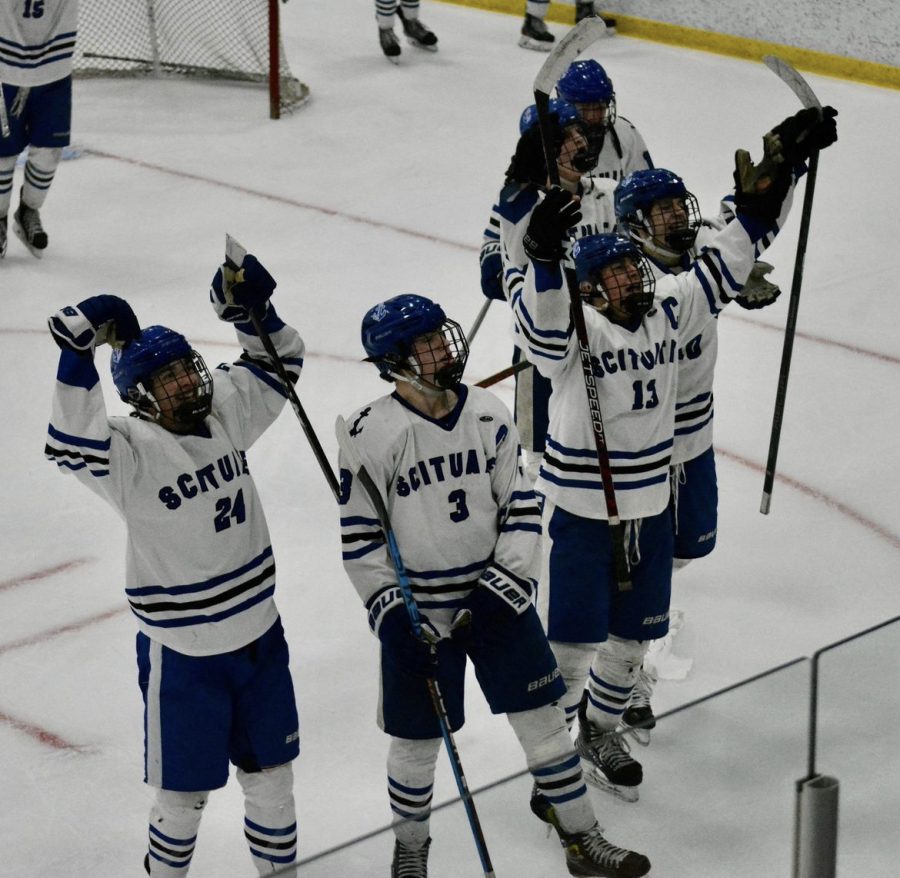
(394, 59)
(20, 234)
(535, 45)
(597, 778)
(638, 735)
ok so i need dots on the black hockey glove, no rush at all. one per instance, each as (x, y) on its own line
(808, 130)
(550, 221)
(95, 321)
(234, 294)
(402, 647)
(529, 164)
(758, 292)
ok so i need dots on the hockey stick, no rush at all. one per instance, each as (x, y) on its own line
(497, 377)
(582, 35)
(234, 258)
(354, 461)
(478, 321)
(807, 97)
(4, 118)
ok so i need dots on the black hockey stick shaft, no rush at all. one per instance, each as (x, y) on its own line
(555, 65)
(234, 256)
(807, 97)
(305, 423)
(345, 443)
(479, 319)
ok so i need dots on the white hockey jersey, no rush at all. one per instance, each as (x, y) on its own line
(199, 568)
(637, 373)
(459, 506)
(37, 40)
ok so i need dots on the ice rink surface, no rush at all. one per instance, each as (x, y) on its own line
(382, 184)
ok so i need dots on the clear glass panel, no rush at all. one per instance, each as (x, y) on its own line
(717, 799)
(858, 736)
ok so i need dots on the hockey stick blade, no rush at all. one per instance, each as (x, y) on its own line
(234, 252)
(586, 32)
(793, 80)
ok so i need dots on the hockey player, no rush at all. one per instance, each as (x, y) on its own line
(445, 458)
(35, 107)
(618, 146)
(636, 327)
(199, 570)
(656, 211)
(534, 33)
(416, 33)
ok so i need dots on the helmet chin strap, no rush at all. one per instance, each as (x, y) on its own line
(419, 384)
(658, 251)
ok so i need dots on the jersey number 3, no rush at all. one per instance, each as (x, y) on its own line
(460, 510)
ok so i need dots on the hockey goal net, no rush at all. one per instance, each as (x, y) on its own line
(213, 39)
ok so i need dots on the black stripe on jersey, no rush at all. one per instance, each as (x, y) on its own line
(50, 451)
(374, 536)
(693, 413)
(204, 603)
(594, 468)
(433, 590)
(713, 269)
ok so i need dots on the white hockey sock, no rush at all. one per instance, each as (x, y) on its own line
(7, 169)
(613, 674)
(385, 11)
(553, 763)
(410, 767)
(574, 660)
(270, 821)
(410, 9)
(537, 8)
(39, 171)
(174, 821)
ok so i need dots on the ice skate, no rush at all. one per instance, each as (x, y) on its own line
(27, 226)
(409, 862)
(390, 45)
(2, 236)
(606, 761)
(589, 853)
(416, 33)
(534, 35)
(638, 718)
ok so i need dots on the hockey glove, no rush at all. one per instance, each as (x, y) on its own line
(492, 272)
(529, 164)
(808, 130)
(550, 221)
(759, 190)
(758, 292)
(95, 321)
(416, 656)
(234, 294)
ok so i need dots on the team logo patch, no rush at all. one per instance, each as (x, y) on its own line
(379, 312)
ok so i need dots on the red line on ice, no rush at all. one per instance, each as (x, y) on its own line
(43, 574)
(42, 736)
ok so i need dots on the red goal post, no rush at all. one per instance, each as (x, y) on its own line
(236, 40)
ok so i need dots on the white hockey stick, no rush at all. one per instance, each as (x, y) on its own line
(234, 258)
(355, 462)
(800, 87)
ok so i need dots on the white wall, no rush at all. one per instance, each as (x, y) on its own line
(865, 29)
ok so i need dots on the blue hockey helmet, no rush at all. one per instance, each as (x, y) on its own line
(639, 191)
(586, 82)
(390, 329)
(566, 113)
(155, 349)
(591, 255)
